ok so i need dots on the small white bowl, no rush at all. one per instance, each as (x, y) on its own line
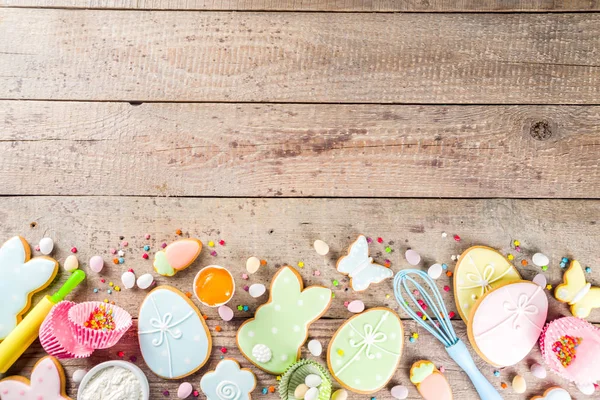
(117, 363)
(213, 267)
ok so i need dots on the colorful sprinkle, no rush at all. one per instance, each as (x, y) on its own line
(510, 257)
(145, 256)
(124, 243)
(549, 287)
(496, 373)
(73, 249)
(545, 268)
(166, 393)
(451, 314)
(113, 251)
(503, 385)
(340, 352)
(448, 273)
(121, 260)
(300, 264)
(147, 236)
(120, 354)
(411, 339)
(588, 270)
(446, 288)
(265, 390)
(222, 242)
(415, 335)
(444, 267)
(245, 308)
(317, 273)
(388, 249)
(565, 349)
(218, 328)
(211, 244)
(271, 389)
(335, 282)
(95, 290)
(516, 243)
(369, 240)
(456, 238)
(245, 277)
(213, 253)
(178, 232)
(163, 245)
(223, 350)
(133, 359)
(101, 318)
(379, 240)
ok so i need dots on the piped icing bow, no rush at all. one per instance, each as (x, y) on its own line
(483, 280)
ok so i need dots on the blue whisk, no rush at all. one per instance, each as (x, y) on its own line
(439, 325)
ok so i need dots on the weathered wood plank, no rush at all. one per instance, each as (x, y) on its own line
(300, 57)
(282, 231)
(54, 148)
(322, 5)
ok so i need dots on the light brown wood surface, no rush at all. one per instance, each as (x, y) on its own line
(270, 150)
(321, 5)
(282, 231)
(300, 57)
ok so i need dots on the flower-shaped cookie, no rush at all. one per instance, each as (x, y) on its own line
(228, 381)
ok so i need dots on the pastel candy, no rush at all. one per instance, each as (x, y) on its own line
(96, 263)
(435, 271)
(366, 368)
(225, 313)
(519, 385)
(479, 270)
(71, 263)
(257, 290)
(507, 322)
(356, 306)
(145, 281)
(412, 257)
(252, 265)
(399, 392)
(128, 279)
(184, 390)
(538, 371)
(540, 280)
(540, 259)
(174, 339)
(321, 247)
(312, 380)
(312, 394)
(340, 394)
(46, 246)
(300, 391)
(315, 347)
(78, 375)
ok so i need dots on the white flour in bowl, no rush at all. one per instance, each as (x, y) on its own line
(112, 383)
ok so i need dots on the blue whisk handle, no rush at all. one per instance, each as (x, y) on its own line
(459, 353)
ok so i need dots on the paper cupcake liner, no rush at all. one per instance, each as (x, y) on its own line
(297, 373)
(56, 336)
(554, 330)
(95, 338)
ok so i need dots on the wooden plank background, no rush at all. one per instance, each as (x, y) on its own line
(272, 123)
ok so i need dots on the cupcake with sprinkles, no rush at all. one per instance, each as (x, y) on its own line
(98, 325)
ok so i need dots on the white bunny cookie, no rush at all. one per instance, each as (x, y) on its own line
(273, 338)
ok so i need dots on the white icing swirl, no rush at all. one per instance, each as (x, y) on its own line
(228, 390)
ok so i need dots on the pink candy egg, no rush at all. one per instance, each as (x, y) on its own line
(96, 263)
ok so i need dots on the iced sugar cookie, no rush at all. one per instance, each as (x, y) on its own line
(177, 256)
(174, 339)
(228, 381)
(20, 278)
(506, 323)
(365, 351)
(571, 348)
(430, 382)
(47, 383)
(479, 270)
(273, 338)
(554, 393)
(360, 267)
(580, 295)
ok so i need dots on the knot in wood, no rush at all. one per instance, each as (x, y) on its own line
(540, 130)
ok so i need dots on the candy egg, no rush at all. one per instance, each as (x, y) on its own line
(312, 380)
(71, 263)
(321, 247)
(519, 385)
(46, 245)
(399, 392)
(257, 290)
(78, 375)
(300, 391)
(128, 279)
(145, 281)
(184, 391)
(538, 371)
(225, 313)
(356, 306)
(540, 259)
(312, 394)
(96, 263)
(412, 257)
(435, 271)
(252, 265)
(540, 280)
(214, 286)
(315, 347)
(340, 394)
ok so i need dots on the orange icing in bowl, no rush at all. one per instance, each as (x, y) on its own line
(214, 286)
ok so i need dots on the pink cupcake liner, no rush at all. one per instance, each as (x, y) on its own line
(56, 336)
(583, 370)
(94, 338)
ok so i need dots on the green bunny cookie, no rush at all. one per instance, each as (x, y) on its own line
(272, 340)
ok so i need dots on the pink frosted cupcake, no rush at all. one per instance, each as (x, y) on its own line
(56, 336)
(571, 348)
(98, 325)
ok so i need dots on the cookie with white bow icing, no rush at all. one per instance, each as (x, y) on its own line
(506, 323)
(20, 277)
(479, 270)
(174, 339)
(365, 351)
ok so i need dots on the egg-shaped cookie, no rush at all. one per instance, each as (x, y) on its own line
(431, 383)
(174, 339)
(506, 323)
(479, 270)
(365, 351)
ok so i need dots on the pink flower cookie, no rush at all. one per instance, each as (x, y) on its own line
(47, 383)
(571, 348)
(506, 323)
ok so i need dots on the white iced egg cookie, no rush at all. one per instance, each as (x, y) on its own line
(273, 338)
(479, 270)
(554, 393)
(365, 351)
(506, 323)
(174, 339)
(20, 278)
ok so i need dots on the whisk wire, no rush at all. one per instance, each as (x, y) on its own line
(438, 324)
